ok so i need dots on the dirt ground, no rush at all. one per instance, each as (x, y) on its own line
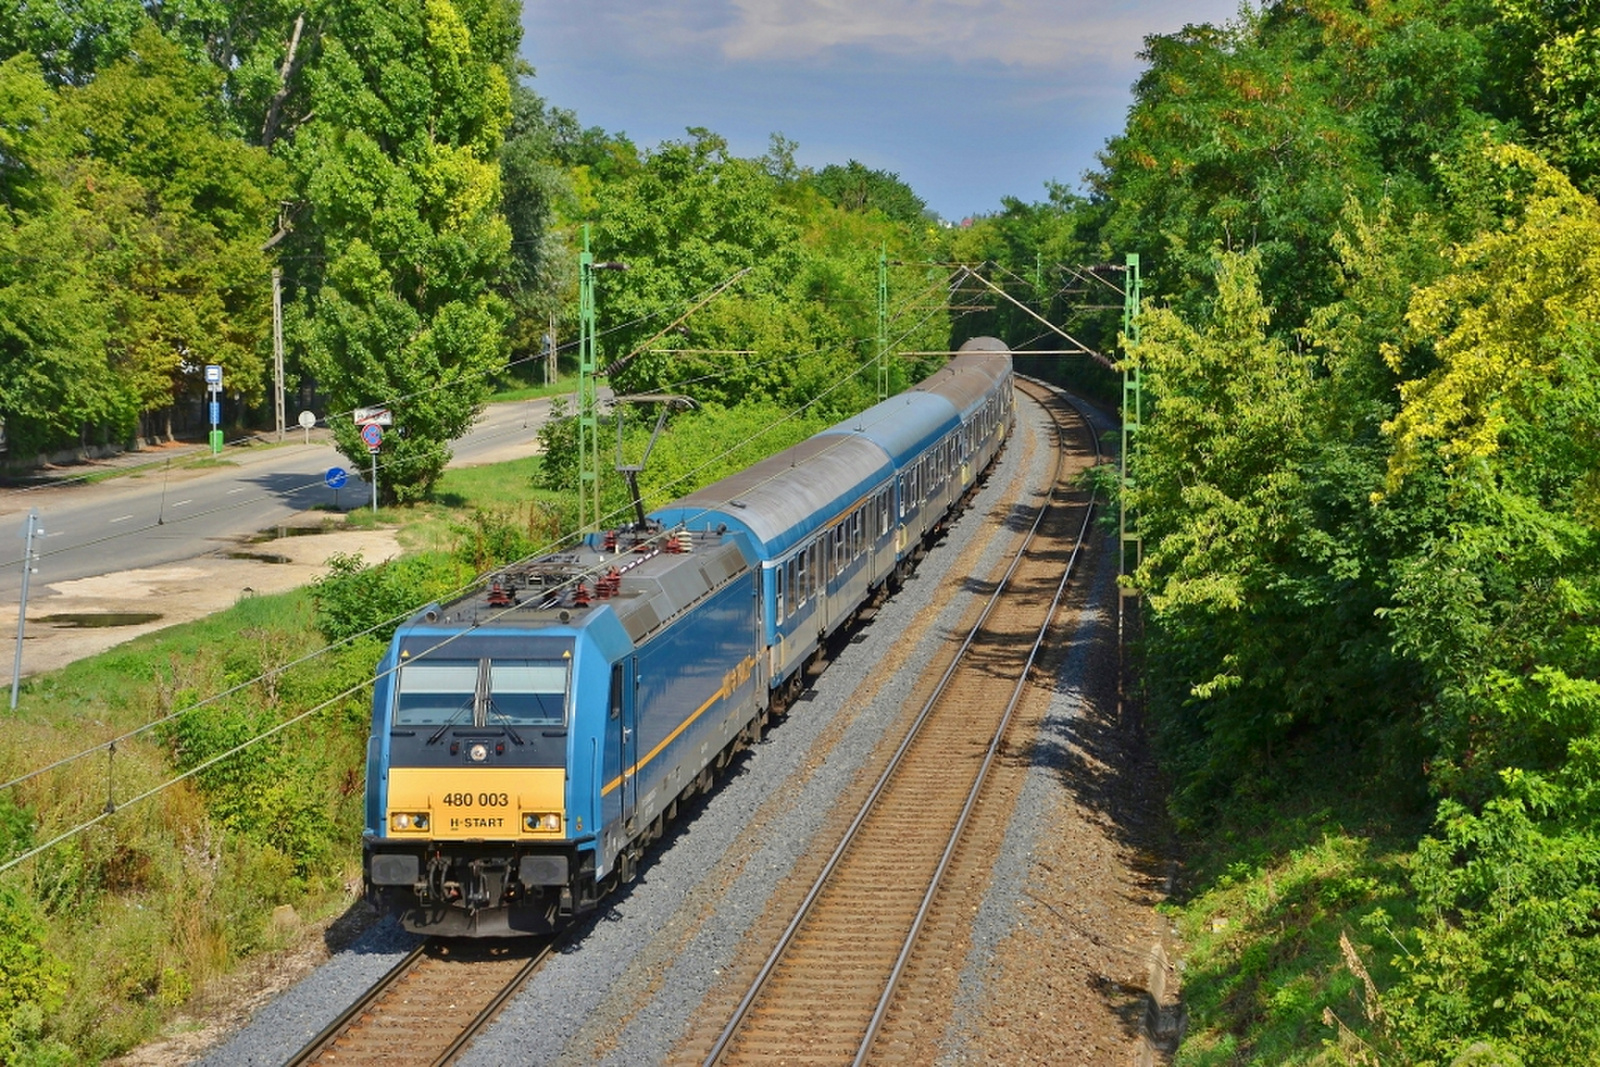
(175, 593)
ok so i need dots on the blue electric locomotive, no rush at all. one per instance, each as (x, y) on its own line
(529, 740)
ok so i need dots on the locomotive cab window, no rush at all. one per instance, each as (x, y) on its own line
(528, 692)
(480, 692)
(435, 691)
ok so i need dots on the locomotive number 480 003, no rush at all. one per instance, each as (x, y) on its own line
(483, 800)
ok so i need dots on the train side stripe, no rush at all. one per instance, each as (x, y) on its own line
(723, 693)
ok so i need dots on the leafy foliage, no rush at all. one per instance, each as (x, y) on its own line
(1366, 486)
(32, 983)
(400, 173)
(356, 599)
(856, 187)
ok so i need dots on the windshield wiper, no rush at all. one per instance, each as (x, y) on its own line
(505, 719)
(451, 721)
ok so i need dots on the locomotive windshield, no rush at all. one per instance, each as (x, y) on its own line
(518, 692)
(435, 691)
(529, 691)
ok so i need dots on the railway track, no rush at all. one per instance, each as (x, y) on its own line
(835, 975)
(430, 1005)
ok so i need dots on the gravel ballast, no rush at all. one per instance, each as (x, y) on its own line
(625, 991)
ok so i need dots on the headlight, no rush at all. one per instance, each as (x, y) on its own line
(541, 822)
(408, 821)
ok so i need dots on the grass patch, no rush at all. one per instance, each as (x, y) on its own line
(166, 893)
(508, 392)
(114, 929)
(1290, 933)
(494, 485)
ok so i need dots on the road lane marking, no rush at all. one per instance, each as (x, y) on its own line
(181, 503)
(119, 518)
(241, 489)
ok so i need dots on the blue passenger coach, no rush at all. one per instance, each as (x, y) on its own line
(530, 739)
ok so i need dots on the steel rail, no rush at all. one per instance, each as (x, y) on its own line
(317, 1045)
(492, 1009)
(773, 959)
(960, 827)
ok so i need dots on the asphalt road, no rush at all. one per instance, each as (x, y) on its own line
(159, 514)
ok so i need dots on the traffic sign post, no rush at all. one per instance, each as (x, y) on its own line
(372, 434)
(214, 386)
(335, 478)
(307, 420)
(30, 530)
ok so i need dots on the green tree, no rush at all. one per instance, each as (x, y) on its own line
(187, 206)
(856, 187)
(537, 187)
(695, 218)
(54, 322)
(399, 172)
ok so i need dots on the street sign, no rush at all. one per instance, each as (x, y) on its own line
(336, 477)
(307, 420)
(372, 433)
(216, 412)
(213, 375)
(373, 417)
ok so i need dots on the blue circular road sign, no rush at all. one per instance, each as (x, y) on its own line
(336, 477)
(372, 433)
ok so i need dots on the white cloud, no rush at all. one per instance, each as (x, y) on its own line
(1024, 33)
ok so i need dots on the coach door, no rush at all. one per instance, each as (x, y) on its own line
(623, 721)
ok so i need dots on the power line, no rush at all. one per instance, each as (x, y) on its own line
(111, 744)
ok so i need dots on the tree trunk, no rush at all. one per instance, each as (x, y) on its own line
(269, 126)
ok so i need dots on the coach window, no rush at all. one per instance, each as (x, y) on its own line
(777, 584)
(802, 592)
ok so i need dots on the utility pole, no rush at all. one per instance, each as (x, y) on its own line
(277, 347)
(588, 417)
(883, 322)
(588, 403)
(29, 531)
(1132, 411)
(550, 370)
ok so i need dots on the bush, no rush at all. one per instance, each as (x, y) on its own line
(33, 983)
(493, 538)
(353, 598)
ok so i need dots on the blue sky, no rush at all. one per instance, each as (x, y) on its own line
(967, 100)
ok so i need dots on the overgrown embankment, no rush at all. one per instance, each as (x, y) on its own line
(1371, 518)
